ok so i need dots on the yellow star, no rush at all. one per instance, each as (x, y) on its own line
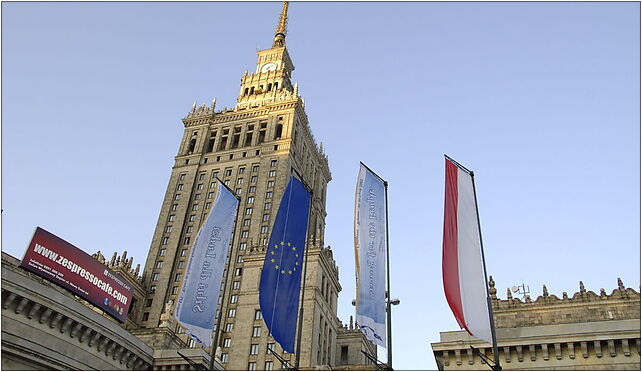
(276, 267)
(272, 260)
(294, 248)
(297, 263)
(282, 271)
(289, 271)
(294, 269)
(289, 244)
(297, 255)
(282, 243)
(271, 252)
(276, 246)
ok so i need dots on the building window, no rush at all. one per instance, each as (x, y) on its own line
(191, 218)
(148, 303)
(177, 197)
(179, 187)
(269, 366)
(246, 222)
(251, 366)
(267, 206)
(239, 181)
(258, 316)
(264, 229)
(270, 184)
(248, 211)
(186, 240)
(253, 179)
(250, 199)
(231, 313)
(236, 285)
(174, 207)
(168, 229)
(197, 197)
(227, 342)
(152, 289)
(254, 349)
(162, 252)
(228, 172)
(245, 234)
(234, 299)
(239, 259)
(174, 290)
(272, 173)
(266, 217)
(256, 331)
(145, 317)
(210, 195)
(214, 174)
(238, 191)
(273, 163)
(229, 327)
(201, 176)
(208, 205)
(226, 182)
(181, 177)
(194, 207)
(238, 271)
(172, 217)
(155, 277)
(190, 228)
(252, 189)
(199, 186)
(224, 357)
(159, 264)
(268, 194)
(183, 252)
(181, 264)
(242, 246)
(241, 170)
(255, 168)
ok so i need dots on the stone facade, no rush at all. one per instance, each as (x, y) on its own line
(586, 331)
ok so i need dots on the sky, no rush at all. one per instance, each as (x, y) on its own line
(541, 100)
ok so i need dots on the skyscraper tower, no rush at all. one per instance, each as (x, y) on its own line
(254, 148)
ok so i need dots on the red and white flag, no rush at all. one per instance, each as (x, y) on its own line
(462, 261)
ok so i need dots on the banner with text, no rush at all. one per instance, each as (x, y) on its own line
(196, 306)
(370, 255)
(64, 264)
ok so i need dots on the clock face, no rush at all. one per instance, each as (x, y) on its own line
(271, 66)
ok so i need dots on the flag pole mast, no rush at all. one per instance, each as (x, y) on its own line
(215, 336)
(497, 366)
(389, 299)
(297, 356)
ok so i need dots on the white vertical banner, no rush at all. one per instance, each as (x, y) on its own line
(196, 306)
(370, 255)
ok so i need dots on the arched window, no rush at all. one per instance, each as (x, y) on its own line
(269, 87)
(276, 86)
(252, 90)
(192, 145)
(279, 131)
(247, 90)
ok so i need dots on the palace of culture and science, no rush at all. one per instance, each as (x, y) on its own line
(253, 148)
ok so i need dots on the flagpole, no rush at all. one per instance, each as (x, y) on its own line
(497, 366)
(216, 334)
(388, 300)
(297, 356)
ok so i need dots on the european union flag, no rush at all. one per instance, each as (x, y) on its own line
(281, 275)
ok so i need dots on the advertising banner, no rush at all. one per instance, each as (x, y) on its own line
(62, 263)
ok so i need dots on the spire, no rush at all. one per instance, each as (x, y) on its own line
(281, 29)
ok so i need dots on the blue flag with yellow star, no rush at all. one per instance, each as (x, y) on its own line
(281, 275)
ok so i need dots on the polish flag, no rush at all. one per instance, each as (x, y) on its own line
(462, 261)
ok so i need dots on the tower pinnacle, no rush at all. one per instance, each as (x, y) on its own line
(281, 28)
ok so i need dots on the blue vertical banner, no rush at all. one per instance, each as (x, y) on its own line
(281, 276)
(196, 306)
(370, 255)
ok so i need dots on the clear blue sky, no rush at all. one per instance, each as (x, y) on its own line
(540, 99)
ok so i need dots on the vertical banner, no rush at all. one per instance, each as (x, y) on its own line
(281, 275)
(462, 263)
(196, 306)
(370, 255)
